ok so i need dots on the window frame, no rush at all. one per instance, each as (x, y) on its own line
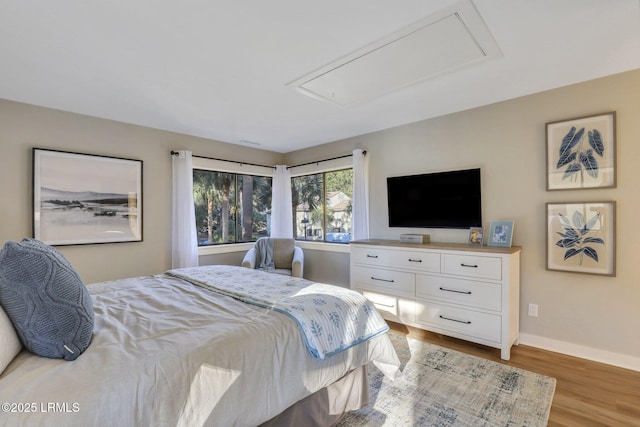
(324, 167)
(222, 166)
(235, 167)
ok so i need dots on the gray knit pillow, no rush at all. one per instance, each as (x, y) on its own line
(46, 300)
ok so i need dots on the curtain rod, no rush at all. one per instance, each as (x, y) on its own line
(175, 153)
(325, 160)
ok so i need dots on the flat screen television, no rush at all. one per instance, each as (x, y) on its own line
(435, 200)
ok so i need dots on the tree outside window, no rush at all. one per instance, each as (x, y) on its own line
(230, 207)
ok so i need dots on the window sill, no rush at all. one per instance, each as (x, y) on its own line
(224, 249)
(323, 246)
(243, 247)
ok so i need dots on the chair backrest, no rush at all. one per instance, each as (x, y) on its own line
(283, 252)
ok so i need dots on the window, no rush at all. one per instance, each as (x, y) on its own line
(322, 204)
(230, 207)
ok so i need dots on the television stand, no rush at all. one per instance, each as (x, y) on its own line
(467, 292)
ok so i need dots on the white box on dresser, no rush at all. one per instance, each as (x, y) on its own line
(467, 292)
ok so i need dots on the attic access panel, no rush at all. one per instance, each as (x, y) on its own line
(453, 38)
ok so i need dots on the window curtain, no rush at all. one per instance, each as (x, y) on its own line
(281, 210)
(360, 219)
(184, 239)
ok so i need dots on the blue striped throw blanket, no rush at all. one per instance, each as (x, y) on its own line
(331, 318)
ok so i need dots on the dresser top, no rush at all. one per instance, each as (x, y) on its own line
(439, 245)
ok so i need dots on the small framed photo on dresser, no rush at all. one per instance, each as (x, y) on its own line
(501, 234)
(476, 235)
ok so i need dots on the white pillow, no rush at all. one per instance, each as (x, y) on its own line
(10, 344)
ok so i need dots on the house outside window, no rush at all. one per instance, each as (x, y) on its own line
(231, 207)
(322, 204)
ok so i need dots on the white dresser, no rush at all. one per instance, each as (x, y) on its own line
(463, 291)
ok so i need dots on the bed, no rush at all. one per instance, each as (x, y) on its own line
(174, 350)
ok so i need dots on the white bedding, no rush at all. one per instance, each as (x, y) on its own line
(331, 318)
(169, 353)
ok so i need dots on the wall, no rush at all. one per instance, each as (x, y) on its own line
(326, 266)
(592, 316)
(23, 127)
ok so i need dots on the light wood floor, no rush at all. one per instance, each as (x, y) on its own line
(587, 393)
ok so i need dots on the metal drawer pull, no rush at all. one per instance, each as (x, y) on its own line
(382, 280)
(415, 260)
(466, 322)
(372, 256)
(456, 291)
(468, 265)
(384, 305)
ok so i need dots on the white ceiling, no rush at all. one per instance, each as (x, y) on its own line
(220, 69)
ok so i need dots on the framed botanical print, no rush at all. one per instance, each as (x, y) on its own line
(581, 153)
(581, 237)
(84, 198)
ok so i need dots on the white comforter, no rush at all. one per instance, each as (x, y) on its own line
(169, 353)
(330, 318)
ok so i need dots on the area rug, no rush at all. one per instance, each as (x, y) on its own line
(443, 387)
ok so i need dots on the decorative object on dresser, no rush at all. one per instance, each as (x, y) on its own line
(501, 234)
(476, 235)
(472, 293)
(581, 153)
(415, 238)
(84, 198)
(581, 237)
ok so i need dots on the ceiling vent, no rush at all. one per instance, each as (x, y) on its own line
(448, 40)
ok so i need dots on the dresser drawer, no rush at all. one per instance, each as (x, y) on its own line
(391, 307)
(460, 291)
(468, 322)
(385, 281)
(427, 262)
(371, 256)
(408, 260)
(472, 266)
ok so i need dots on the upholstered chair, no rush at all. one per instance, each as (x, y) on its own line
(276, 255)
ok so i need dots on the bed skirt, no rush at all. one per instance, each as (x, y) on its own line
(325, 407)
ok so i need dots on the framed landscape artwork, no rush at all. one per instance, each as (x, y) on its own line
(84, 198)
(581, 237)
(581, 153)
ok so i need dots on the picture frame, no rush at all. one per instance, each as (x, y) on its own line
(85, 198)
(501, 234)
(581, 152)
(476, 236)
(581, 237)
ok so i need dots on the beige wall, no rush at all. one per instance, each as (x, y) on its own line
(578, 313)
(326, 266)
(23, 127)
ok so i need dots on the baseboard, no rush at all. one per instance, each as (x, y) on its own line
(583, 352)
